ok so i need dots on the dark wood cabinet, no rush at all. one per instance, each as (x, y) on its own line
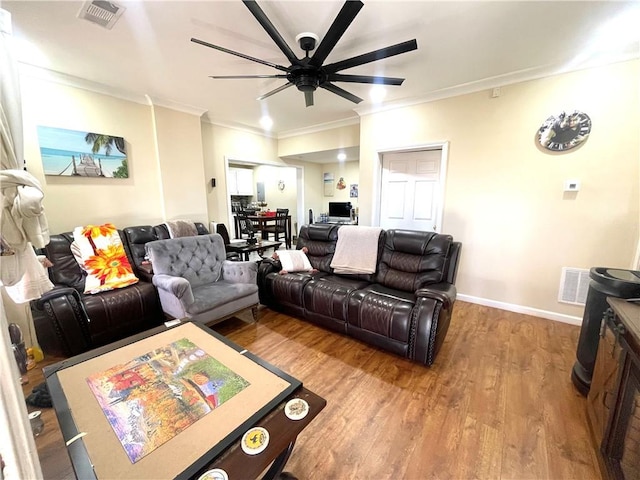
(613, 404)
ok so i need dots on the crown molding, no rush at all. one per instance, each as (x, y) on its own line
(180, 107)
(238, 127)
(321, 127)
(67, 80)
(489, 83)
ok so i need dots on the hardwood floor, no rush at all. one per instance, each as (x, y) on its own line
(498, 403)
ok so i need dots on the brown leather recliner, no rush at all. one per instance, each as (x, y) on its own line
(69, 322)
(404, 307)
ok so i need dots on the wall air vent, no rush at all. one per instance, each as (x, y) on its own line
(574, 285)
(101, 12)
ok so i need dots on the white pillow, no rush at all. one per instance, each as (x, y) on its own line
(294, 261)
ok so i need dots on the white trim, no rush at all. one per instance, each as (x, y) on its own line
(238, 127)
(17, 445)
(510, 307)
(489, 83)
(321, 127)
(95, 87)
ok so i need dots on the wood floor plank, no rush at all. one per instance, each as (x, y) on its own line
(498, 402)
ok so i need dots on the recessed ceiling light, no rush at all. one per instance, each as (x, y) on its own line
(377, 93)
(266, 122)
(342, 156)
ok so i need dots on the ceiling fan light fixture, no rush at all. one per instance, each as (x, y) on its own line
(377, 93)
(266, 122)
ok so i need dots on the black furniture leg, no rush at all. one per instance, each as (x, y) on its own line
(275, 470)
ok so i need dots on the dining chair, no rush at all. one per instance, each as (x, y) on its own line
(280, 226)
(221, 229)
(245, 227)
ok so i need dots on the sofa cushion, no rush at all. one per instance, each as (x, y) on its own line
(294, 261)
(411, 259)
(320, 240)
(381, 316)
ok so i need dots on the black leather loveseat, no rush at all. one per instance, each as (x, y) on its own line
(404, 307)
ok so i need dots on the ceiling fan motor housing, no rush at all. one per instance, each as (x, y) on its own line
(307, 41)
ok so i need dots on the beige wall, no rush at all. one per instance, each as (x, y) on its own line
(350, 172)
(221, 144)
(180, 161)
(504, 195)
(70, 202)
(343, 137)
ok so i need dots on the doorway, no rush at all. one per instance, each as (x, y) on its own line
(412, 188)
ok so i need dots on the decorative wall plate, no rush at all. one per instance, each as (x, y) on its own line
(564, 132)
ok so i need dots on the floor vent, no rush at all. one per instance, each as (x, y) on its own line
(101, 12)
(574, 285)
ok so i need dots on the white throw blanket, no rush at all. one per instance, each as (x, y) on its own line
(356, 250)
(181, 228)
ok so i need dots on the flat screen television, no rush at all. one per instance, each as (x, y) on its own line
(340, 209)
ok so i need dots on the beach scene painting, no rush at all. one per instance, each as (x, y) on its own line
(72, 153)
(152, 398)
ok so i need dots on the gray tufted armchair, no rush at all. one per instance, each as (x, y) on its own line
(196, 281)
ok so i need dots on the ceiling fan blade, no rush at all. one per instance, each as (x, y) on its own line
(337, 77)
(262, 19)
(308, 98)
(346, 15)
(279, 89)
(372, 56)
(339, 91)
(241, 55)
(247, 76)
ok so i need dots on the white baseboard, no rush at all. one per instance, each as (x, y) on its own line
(558, 317)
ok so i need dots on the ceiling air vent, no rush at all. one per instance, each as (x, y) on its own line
(100, 12)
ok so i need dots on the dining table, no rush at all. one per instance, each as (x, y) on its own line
(261, 221)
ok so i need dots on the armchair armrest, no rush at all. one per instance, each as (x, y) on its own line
(443, 292)
(176, 286)
(240, 272)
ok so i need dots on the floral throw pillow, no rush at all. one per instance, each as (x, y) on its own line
(99, 251)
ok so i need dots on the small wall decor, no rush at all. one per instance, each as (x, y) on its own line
(341, 185)
(72, 153)
(281, 185)
(564, 132)
(353, 190)
(328, 184)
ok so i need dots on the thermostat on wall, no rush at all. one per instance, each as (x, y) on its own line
(571, 185)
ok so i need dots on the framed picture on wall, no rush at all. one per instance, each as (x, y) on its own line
(328, 184)
(353, 190)
(72, 153)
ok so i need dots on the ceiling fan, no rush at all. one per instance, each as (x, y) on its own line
(309, 73)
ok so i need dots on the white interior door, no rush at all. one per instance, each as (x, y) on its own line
(411, 194)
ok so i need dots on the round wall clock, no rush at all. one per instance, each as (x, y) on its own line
(564, 131)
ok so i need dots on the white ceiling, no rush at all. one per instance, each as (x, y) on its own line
(462, 46)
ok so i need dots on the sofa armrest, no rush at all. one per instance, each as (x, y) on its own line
(177, 286)
(62, 311)
(442, 292)
(240, 272)
(432, 315)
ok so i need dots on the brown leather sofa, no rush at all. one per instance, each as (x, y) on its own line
(404, 307)
(69, 322)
